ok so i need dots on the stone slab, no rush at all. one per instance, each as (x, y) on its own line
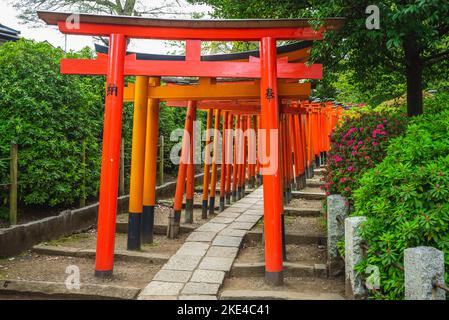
(208, 276)
(213, 227)
(161, 288)
(216, 263)
(202, 236)
(183, 263)
(222, 252)
(173, 276)
(232, 232)
(197, 288)
(227, 241)
(193, 249)
(241, 225)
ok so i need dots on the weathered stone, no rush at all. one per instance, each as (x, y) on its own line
(213, 227)
(172, 276)
(202, 236)
(222, 252)
(197, 288)
(241, 225)
(160, 288)
(232, 232)
(208, 276)
(422, 266)
(236, 209)
(56, 290)
(248, 218)
(193, 249)
(221, 219)
(198, 297)
(180, 262)
(216, 263)
(255, 212)
(353, 255)
(228, 214)
(337, 211)
(227, 241)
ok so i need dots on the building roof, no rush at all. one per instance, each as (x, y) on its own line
(8, 34)
(52, 18)
(286, 49)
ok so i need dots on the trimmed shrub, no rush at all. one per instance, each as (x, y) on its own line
(405, 199)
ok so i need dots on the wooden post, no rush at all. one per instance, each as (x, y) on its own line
(13, 187)
(83, 163)
(161, 160)
(122, 168)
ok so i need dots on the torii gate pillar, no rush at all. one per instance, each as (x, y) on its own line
(110, 159)
(271, 175)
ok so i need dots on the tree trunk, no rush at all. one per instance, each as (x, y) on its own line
(413, 72)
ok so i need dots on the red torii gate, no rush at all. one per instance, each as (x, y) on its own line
(118, 65)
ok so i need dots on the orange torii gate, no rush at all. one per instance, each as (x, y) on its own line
(118, 64)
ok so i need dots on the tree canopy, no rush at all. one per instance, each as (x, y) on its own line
(410, 46)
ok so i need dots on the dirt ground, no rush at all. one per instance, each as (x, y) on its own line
(161, 244)
(35, 267)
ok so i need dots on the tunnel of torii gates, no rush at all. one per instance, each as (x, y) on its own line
(262, 92)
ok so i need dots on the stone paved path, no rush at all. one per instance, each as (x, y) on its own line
(198, 269)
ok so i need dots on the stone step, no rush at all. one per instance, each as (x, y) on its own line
(291, 269)
(58, 290)
(290, 237)
(277, 295)
(160, 229)
(308, 195)
(301, 212)
(319, 171)
(314, 183)
(119, 255)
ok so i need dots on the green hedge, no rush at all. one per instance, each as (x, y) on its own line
(405, 198)
(50, 116)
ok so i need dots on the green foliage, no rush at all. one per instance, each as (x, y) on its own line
(49, 115)
(412, 33)
(405, 198)
(357, 144)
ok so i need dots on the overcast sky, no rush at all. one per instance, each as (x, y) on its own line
(52, 35)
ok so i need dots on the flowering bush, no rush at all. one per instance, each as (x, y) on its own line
(405, 200)
(357, 144)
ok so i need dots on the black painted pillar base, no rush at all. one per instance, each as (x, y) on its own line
(252, 182)
(234, 196)
(189, 211)
(239, 193)
(211, 205)
(274, 278)
(147, 224)
(174, 222)
(222, 204)
(103, 274)
(228, 198)
(298, 183)
(133, 231)
(204, 209)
